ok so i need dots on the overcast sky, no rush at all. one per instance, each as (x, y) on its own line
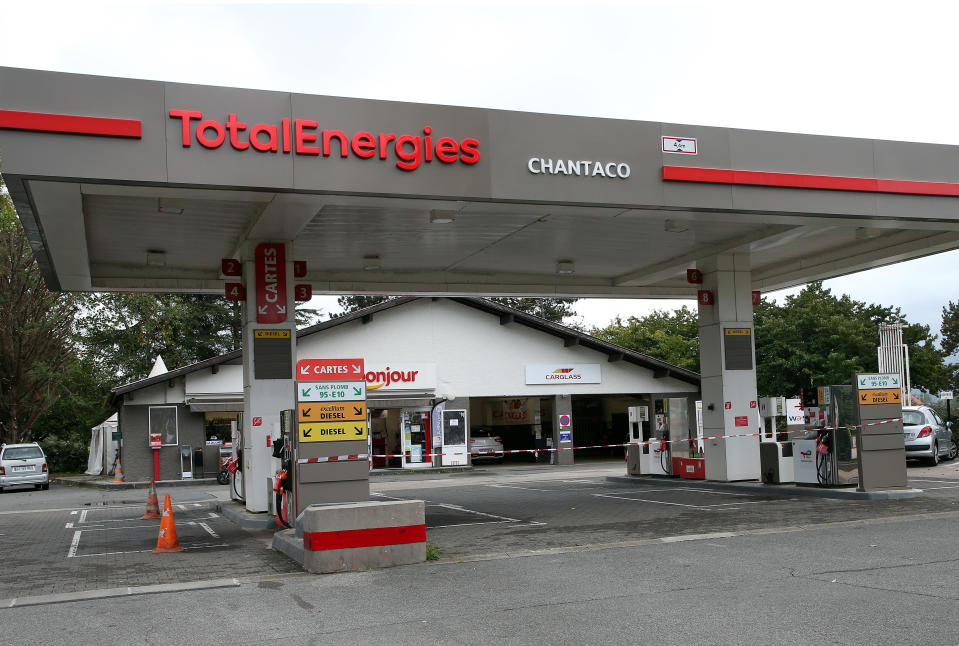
(859, 69)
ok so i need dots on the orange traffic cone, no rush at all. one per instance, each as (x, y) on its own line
(118, 474)
(167, 540)
(153, 505)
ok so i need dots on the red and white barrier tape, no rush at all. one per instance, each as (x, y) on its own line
(609, 446)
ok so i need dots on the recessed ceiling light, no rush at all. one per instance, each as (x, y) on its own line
(156, 258)
(438, 216)
(170, 206)
(676, 226)
(371, 262)
(565, 267)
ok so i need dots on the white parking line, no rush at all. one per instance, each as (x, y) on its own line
(83, 516)
(478, 513)
(932, 488)
(655, 502)
(208, 530)
(74, 544)
(69, 526)
(202, 546)
(715, 507)
(501, 486)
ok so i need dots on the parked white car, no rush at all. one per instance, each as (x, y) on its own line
(23, 464)
(926, 435)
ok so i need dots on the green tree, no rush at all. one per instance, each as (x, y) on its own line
(36, 349)
(126, 332)
(357, 302)
(672, 337)
(551, 309)
(816, 338)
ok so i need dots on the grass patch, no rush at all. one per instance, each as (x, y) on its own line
(432, 554)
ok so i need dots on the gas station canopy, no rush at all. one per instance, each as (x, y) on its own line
(138, 185)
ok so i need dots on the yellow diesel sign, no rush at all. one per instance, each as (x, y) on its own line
(871, 397)
(738, 331)
(332, 412)
(271, 334)
(334, 432)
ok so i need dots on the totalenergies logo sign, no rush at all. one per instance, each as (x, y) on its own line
(420, 376)
(302, 137)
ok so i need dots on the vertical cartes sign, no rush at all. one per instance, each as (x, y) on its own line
(270, 262)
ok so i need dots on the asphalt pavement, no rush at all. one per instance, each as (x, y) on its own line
(528, 555)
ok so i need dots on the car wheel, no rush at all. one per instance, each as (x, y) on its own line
(954, 452)
(37, 487)
(934, 460)
(45, 487)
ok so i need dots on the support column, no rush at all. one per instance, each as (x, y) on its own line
(727, 351)
(269, 358)
(563, 405)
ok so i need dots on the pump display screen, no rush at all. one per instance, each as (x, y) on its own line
(738, 348)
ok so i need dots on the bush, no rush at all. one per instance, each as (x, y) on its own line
(65, 456)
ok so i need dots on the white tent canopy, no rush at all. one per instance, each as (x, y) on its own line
(102, 444)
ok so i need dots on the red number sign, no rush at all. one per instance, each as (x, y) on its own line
(302, 293)
(705, 297)
(694, 276)
(330, 370)
(230, 267)
(234, 292)
(757, 298)
(270, 262)
(742, 421)
(299, 269)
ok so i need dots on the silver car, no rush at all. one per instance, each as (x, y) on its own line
(23, 464)
(485, 445)
(926, 435)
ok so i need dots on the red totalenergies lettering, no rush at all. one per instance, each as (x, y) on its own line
(300, 136)
(380, 378)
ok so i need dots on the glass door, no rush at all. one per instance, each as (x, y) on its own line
(416, 436)
(455, 438)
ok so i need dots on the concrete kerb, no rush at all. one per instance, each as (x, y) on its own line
(758, 488)
(237, 513)
(109, 485)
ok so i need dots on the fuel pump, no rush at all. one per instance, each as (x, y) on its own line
(775, 456)
(283, 480)
(827, 454)
(661, 447)
(237, 484)
(637, 453)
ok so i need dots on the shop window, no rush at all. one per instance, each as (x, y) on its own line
(216, 427)
(163, 420)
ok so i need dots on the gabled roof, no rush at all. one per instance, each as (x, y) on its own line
(570, 337)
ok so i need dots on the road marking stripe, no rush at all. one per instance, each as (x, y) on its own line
(209, 531)
(69, 526)
(478, 513)
(86, 595)
(201, 546)
(499, 486)
(74, 544)
(83, 516)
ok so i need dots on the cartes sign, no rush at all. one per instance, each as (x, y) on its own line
(326, 391)
(329, 370)
(155, 441)
(333, 412)
(270, 262)
(332, 432)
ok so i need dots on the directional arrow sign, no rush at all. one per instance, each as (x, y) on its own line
(331, 391)
(330, 370)
(877, 381)
(332, 412)
(875, 397)
(332, 432)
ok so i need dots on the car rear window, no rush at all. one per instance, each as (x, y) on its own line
(22, 453)
(912, 417)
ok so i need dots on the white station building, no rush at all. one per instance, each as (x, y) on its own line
(483, 365)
